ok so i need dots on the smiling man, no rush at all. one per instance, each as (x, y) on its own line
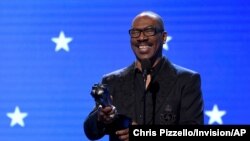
(151, 91)
(147, 37)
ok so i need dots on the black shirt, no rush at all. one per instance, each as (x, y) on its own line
(146, 109)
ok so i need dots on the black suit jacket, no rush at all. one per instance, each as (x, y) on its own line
(178, 97)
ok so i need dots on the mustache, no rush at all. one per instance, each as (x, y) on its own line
(143, 44)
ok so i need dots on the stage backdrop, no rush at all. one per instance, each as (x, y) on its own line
(52, 52)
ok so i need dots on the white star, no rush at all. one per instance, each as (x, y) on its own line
(215, 115)
(62, 42)
(165, 45)
(17, 117)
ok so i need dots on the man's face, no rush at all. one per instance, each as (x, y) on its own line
(147, 46)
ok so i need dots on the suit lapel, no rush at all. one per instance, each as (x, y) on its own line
(166, 79)
(127, 90)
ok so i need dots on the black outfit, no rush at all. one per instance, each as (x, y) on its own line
(173, 97)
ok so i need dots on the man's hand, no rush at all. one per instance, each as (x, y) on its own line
(124, 134)
(106, 114)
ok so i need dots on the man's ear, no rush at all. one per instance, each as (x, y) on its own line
(165, 37)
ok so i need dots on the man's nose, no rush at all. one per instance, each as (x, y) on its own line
(142, 37)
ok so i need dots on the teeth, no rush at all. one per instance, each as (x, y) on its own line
(142, 47)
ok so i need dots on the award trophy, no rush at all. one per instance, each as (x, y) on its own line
(102, 97)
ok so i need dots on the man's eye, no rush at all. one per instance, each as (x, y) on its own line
(135, 31)
(149, 30)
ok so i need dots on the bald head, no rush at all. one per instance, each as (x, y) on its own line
(152, 15)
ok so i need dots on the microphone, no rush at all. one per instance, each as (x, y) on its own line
(145, 66)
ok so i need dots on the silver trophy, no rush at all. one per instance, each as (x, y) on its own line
(102, 97)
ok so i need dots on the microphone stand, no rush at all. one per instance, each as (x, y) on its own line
(144, 94)
(146, 66)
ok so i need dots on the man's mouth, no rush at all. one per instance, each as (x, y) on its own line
(144, 46)
(144, 49)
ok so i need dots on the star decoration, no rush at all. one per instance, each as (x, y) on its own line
(62, 42)
(215, 115)
(165, 45)
(17, 117)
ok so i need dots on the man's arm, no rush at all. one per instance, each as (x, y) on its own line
(191, 111)
(93, 129)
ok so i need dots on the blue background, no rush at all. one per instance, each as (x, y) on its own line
(208, 36)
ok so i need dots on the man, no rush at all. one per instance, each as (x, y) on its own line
(150, 91)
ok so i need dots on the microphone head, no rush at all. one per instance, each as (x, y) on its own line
(145, 66)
